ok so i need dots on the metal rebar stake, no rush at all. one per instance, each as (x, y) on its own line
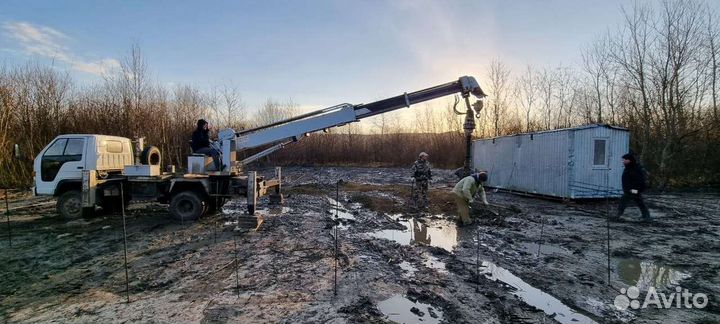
(217, 209)
(122, 210)
(7, 214)
(477, 261)
(607, 220)
(237, 261)
(337, 208)
(542, 229)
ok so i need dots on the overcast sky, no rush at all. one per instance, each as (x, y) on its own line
(317, 53)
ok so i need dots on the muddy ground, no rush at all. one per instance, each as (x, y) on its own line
(524, 260)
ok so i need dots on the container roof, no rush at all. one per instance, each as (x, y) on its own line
(561, 130)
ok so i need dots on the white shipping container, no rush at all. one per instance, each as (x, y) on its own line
(570, 163)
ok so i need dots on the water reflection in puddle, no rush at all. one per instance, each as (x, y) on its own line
(535, 297)
(433, 263)
(399, 309)
(345, 217)
(645, 273)
(408, 268)
(441, 233)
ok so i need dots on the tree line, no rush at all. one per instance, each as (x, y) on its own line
(656, 74)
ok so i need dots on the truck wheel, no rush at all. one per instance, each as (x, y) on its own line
(151, 156)
(187, 205)
(69, 204)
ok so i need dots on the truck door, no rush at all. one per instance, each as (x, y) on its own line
(63, 160)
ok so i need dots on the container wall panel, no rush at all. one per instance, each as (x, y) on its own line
(563, 163)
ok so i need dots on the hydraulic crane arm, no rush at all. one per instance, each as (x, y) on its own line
(465, 85)
(297, 127)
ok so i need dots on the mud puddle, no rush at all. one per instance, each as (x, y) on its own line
(344, 216)
(438, 233)
(265, 211)
(237, 217)
(647, 273)
(542, 249)
(408, 268)
(400, 309)
(533, 296)
(433, 263)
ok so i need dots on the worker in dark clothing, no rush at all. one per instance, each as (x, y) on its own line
(422, 175)
(201, 143)
(633, 183)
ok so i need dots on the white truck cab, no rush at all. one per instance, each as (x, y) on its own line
(65, 158)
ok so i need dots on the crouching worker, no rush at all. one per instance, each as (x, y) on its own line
(465, 192)
(201, 143)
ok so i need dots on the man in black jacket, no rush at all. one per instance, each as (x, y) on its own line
(201, 143)
(633, 182)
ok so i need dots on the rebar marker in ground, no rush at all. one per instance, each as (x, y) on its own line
(237, 262)
(337, 207)
(122, 210)
(7, 214)
(477, 261)
(607, 221)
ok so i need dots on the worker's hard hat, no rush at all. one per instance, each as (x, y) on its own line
(423, 154)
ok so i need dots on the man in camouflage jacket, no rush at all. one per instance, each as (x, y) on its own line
(422, 175)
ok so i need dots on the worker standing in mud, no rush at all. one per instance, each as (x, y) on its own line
(421, 175)
(464, 193)
(633, 183)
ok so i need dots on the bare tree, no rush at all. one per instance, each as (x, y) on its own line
(527, 93)
(546, 83)
(133, 87)
(630, 50)
(273, 111)
(712, 36)
(499, 76)
(233, 109)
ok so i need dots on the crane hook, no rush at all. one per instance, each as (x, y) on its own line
(478, 106)
(457, 101)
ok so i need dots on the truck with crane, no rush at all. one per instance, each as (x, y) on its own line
(85, 171)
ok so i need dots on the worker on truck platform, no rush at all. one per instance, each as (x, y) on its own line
(201, 143)
(421, 176)
(464, 193)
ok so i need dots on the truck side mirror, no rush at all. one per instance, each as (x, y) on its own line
(16, 151)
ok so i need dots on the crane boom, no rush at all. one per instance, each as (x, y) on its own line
(292, 129)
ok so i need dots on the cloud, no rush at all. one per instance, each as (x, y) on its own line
(43, 41)
(444, 40)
